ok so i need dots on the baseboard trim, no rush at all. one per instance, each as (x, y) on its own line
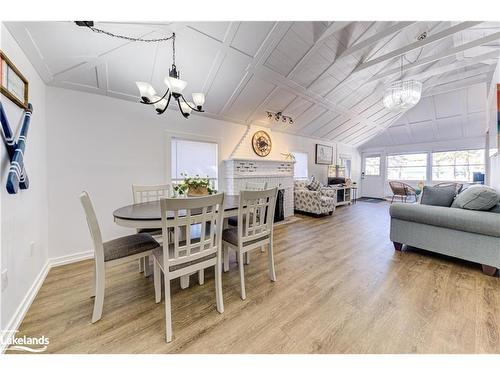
(23, 308)
(68, 259)
(30, 296)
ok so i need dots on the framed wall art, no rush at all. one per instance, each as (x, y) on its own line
(324, 154)
(13, 84)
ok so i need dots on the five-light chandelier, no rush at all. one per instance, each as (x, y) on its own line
(174, 89)
(174, 84)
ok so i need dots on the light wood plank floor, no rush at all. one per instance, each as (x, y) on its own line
(341, 288)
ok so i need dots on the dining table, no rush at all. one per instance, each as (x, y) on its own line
(148, 215)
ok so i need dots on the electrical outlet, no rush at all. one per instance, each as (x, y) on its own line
(5, 280)
(32, 248)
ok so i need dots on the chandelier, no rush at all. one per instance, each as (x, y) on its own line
(174, 89)
(173, 82)
(279, 116)
(402, 95)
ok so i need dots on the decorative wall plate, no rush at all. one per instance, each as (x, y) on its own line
(261, 143)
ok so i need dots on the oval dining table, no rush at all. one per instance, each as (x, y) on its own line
(148, 215)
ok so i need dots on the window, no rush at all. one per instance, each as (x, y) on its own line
(194, 158)
(457, 165)
(372, 166)
(300, 171)
(410, 167)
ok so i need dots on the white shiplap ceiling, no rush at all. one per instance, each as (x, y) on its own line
(329, 76)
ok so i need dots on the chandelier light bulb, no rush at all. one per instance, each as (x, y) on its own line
(185, 107)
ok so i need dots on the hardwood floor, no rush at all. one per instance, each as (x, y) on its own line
(341, 288)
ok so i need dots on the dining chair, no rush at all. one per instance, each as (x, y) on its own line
(192, 248)
(111, 253)
(256, 213)
(150, 193)
(233, 220)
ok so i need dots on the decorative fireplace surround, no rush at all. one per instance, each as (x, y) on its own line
(275, 172)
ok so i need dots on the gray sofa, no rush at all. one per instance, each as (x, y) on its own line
(465, 234)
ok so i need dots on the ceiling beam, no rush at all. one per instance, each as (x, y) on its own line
(416, 45)
(442, 69)
(274, 36)
(317, 45)
(221, 55)
(454, 86)
(375, 38)
(449, 52)
(332, 29)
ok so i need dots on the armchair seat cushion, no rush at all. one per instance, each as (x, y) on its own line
(480, 222)
(128, 245)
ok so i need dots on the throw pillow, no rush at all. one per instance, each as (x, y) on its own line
(438, 196)
(477, 197)
(314, 185)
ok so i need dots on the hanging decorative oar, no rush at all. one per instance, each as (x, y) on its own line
(17, 177)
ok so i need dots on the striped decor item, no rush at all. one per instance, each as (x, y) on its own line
(17, 177)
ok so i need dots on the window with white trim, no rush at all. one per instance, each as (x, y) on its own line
(372, 166)
(194, 158)
(457, 165)
(409, 167)
(300, 168)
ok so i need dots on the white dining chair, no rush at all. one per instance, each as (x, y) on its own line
(150, 193)
(111, 253)
(256, 216)
(192, 248)
(233, 221)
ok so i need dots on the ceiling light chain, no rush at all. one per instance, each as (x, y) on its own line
(129, 38)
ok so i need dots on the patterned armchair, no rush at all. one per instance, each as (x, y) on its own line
(320, 202)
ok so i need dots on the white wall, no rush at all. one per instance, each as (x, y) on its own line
(104, 145)
(23, 215)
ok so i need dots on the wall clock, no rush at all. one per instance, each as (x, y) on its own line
(261, 143)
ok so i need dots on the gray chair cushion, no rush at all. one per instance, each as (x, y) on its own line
(231, 235)
(151, 231)
(481, 222)
(477, 197)
(438, 195)
(158, 254)
(129, 245)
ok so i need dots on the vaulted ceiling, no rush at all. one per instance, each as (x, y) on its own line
(441, 117)
(329, 76)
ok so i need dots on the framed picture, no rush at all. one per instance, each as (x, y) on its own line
(12, 83)
(324, 154)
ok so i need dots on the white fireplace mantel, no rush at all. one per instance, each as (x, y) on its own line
(275, 172)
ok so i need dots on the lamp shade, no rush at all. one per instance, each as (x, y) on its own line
(160, 106)
(402, 95)
(199, 99)
(185, 108)
(175, 84)
(146, 90)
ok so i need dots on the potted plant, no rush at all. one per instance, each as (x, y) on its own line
(193, 186)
